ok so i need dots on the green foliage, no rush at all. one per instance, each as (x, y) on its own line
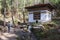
(54, 1)
(51, 34)
(18, 38)
(56, 21)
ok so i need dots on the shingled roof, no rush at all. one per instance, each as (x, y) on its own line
(39, 6)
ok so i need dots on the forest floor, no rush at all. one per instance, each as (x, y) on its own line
(17, 34)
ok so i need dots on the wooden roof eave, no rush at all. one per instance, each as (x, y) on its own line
(39, 6)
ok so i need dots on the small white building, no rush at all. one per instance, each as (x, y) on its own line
(40, 13)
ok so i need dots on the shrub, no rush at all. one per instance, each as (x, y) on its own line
(51, 34)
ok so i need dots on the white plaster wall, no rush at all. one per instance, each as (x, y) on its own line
(31, 18)
(48, 17)
(44, 16)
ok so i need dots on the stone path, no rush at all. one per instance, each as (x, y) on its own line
(8, 36)
(22, 35)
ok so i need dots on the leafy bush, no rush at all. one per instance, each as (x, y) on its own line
(51, 34)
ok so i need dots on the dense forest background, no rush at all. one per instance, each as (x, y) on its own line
(14, 10)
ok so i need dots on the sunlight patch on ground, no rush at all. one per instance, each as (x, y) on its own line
(6, 36)
(3, 38)
(9, 35)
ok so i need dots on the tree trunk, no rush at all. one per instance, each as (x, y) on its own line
(23, 17)
(4, 17)
(12, 11)
(3, 10)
